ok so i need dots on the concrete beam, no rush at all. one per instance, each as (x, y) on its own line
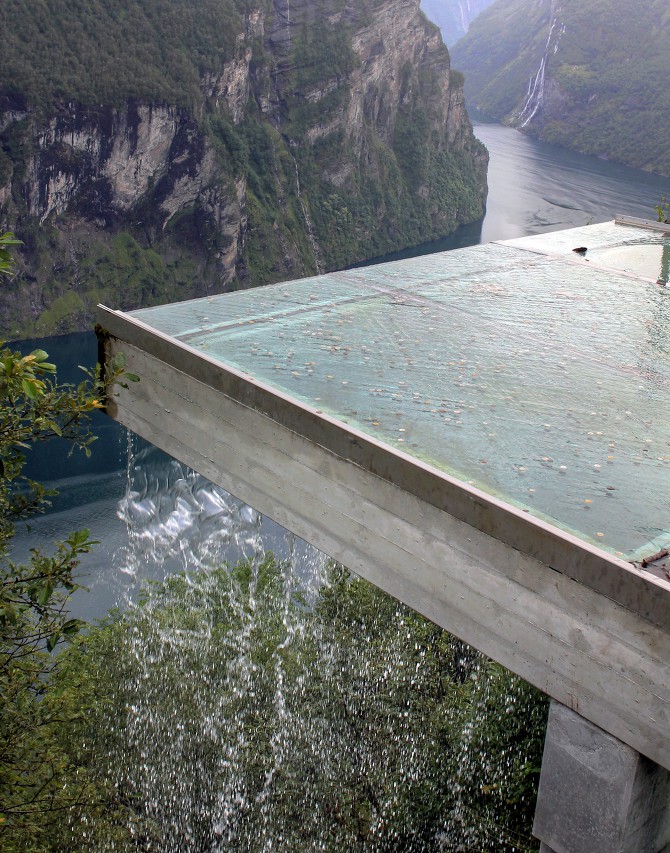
(435, 544)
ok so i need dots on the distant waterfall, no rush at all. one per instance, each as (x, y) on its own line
(535, 94)
(308, 221)
(466, 14)
(282, 9)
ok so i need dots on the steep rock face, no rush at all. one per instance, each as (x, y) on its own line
(330, 132)
(586, 74)
(113, 155)
(104, 165)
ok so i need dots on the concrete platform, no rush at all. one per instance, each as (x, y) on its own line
(481, 433)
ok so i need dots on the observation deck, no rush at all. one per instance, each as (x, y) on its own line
(484, 433)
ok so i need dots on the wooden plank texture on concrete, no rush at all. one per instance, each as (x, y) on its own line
(584, 627)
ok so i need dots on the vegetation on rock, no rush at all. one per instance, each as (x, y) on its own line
(96, 52)
(149, 156)
(601, 89)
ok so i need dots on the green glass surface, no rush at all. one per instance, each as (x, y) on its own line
(539, 375)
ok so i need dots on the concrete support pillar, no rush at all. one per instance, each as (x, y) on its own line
(598, 795)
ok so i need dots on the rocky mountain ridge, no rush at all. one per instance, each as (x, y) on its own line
(327, 131)
(584, 74)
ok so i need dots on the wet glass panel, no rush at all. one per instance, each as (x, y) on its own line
(544, 381)
(188, 320)
(637, 251)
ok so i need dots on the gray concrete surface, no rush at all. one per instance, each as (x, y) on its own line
(598, 795)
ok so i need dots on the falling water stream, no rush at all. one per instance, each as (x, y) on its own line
(535, 94)
(258, 701)
(464, 8)
(308, 220)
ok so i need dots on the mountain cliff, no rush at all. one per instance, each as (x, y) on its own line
(454, 17)
(585, 74)
(149, 157)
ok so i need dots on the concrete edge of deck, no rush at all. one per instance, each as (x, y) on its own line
(597, 569)
(583, 627)
(663, 227)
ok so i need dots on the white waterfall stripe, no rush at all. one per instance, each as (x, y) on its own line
(535, 94)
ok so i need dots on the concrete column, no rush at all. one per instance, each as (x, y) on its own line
(598, 795)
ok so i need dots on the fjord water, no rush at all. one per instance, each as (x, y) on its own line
(535, 187)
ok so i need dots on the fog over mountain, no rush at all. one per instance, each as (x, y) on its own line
(453, 17)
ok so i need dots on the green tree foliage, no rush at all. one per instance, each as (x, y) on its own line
(6, 262)
(230, 709)
(34, 619)
(98, 52)
(35, 774)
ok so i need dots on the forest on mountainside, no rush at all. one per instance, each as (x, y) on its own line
(155, 151)
(97, 52)
(585, 74)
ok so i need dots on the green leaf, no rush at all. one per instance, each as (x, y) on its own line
(72, 626)
(79, 537)
(45, 592)
(9, 614)
(29, 389)
(52, 641)
(118, 362)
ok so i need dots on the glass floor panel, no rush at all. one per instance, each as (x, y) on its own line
(637, 251)
(521, 368)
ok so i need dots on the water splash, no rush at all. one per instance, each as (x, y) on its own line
(196, 682)
(254, 702)
(176, 519)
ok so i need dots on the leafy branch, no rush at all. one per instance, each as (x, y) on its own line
(6, 261)
(36, 777)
